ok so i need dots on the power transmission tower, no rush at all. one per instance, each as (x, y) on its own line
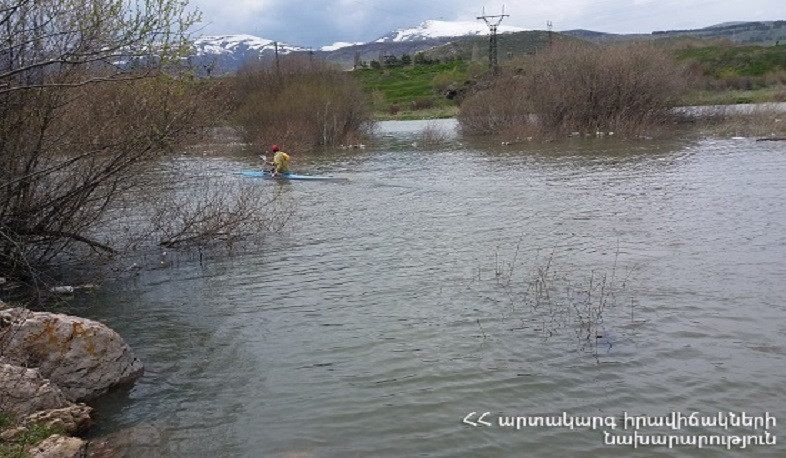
(549, 25)
(278, 66)
(493, 22)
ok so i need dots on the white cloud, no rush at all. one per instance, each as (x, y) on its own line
(322, 22)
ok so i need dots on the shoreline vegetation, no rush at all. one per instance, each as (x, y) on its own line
(714, 72)
(696, 98)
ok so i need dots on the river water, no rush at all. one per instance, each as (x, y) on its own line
(474, 281)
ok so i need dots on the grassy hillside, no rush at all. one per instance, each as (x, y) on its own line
(419, 90)
(722, 61)
(736, 74)
(509, 45)
(730, 74)
(400, 91)
(406, 84)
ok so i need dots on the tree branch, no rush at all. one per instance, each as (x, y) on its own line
(66, 235)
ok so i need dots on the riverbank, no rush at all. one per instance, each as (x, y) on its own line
(766, 95)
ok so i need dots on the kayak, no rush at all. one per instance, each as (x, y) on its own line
(288, 176)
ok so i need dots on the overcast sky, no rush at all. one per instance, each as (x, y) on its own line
(322, 22)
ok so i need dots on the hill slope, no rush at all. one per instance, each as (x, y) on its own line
(443, 40)
(508, 45)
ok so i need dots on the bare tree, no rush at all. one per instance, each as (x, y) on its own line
(86, 96)
(300, 103)
(48, 43)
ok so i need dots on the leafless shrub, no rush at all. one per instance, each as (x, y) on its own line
(69, 154)
(83, 111)
(625, 89)
(557, 303)
(422, 103)
(220, 210)
(300, 103)
(432, 135)
(502, 105)
(736, 82)
(775, 78)
(779, 96)
(763, 120)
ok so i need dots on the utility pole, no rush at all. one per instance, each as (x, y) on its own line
(278, 66)
(493, 22)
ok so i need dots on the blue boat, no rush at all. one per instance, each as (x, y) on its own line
(287, 176)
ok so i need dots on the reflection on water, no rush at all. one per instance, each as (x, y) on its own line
(592, 278)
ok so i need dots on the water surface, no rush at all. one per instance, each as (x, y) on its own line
(594, 278)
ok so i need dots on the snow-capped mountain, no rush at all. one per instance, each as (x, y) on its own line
(227, 53)
(442, 29)
(429, 30)
(222, 53)
(338, 45)
(229, 44)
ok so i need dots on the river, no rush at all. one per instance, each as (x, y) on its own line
(442, 288)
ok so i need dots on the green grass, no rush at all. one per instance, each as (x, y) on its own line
(723, 61)
(732, 97)
(405, 84)
(449, 111)
(18, 447)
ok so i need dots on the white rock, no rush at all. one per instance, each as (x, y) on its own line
(71, 419)
(57, 446)
(83, 357)
(24, 391)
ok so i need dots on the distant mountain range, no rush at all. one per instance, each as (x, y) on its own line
(227, 53)
(762, 33)
(430, 30)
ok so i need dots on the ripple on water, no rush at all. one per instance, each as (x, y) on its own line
(401, 302)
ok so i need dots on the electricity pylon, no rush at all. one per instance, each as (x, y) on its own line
(493, 22)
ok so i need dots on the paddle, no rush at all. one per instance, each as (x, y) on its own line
(266, 163)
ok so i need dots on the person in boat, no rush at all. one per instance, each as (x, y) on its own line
(280, 161)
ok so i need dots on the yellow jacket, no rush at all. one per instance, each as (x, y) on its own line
(281, 162)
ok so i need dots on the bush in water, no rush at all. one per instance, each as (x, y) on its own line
(300, 103)
(626, 89)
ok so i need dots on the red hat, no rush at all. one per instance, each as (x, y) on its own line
(274, 148)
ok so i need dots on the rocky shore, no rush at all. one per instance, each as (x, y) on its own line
(50, 365)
